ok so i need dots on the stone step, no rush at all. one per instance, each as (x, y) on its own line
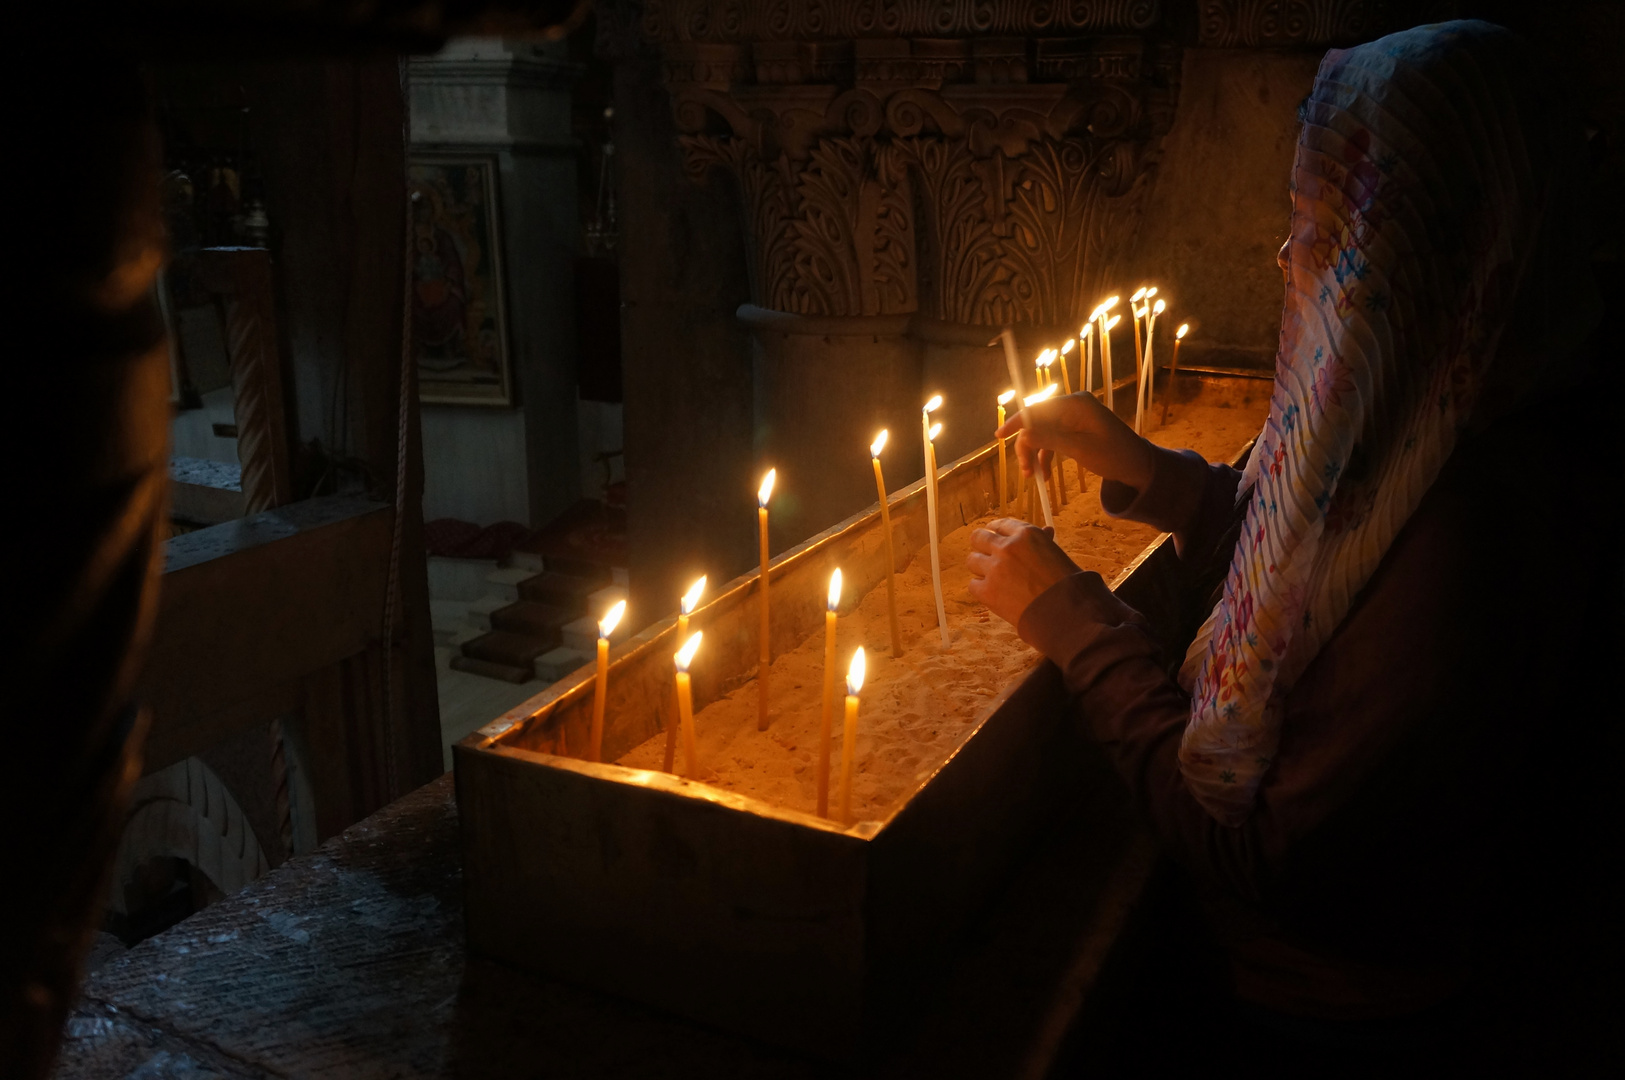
(582, 635)
(505, 672)
(557, 663)
(560, 590)
(479, 611)
(582, 568)
(506, 647)
(540, 621)
(505, 582)
(601, 600)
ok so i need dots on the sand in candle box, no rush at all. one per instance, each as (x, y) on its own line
(917, 707)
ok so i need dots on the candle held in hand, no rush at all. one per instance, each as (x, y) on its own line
(1148, 367)
(606, 627)
(685, 608)
(891, 555)
(685, 702)
(827, 719)
(764, 493)
(1041, 479)
(849, 741)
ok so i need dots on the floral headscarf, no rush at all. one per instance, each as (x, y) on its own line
(1424, 170)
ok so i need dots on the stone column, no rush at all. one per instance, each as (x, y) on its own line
(512, 100)
(911, 178)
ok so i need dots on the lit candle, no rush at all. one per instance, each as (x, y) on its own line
(1148, 367)
(891, 556)
(854, 683)
(1066, 379)
(1086, 334)
(1043, 489)
(685, 702)
(606, 627)
(1045, 359)
(1137, 312)
(1106, 348)
(1179, 335)
(1066, 388)
(685, 608)
(931, 432)
(764, 493)
(1004, 477)
(829, 692)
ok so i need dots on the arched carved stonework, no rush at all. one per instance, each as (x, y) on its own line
(807, 20)
(1310, 23)
(977, 181)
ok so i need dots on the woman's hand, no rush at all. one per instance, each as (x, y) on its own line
(1012, 563)
(1078, 426)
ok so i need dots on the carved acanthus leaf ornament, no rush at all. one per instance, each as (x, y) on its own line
(976, 181)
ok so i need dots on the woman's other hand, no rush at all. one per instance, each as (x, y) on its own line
(1078, 426)
(1012, 563)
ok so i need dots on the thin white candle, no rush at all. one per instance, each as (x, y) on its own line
(1042, 479)
(1148, 373)
(930, 433)
(1106, 348)
(1086, 378)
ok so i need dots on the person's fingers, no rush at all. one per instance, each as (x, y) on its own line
(1012, 424)
(1024, 453)
(983, 539)
(1048, 531)
(980, 565)
(1006, 526)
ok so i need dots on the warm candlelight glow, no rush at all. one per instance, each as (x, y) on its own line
(765, 492)
(1043, 395)
(1046, 358)
(685, 655)
(936, 429)
(1139, 294)
(879, 444)
(1159, 307)
(1109, 303)
(691, 599)
(934, 404)
(835, 589)
(1111, 323)
(1004, 398)
(1088, 328)
(1066, 346)
(1184, 328)
(1152, 291)
(612, 618)
(855, 673)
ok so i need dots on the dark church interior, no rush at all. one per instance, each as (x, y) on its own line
(480, 604)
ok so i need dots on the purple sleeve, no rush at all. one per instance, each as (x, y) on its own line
(1187, 497)
(1114, 674)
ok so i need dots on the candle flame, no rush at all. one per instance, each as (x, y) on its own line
(855, 673)
(1139, 294)
(1159, 307)
(1043, 395)
(1088, 328)
(835, 589)
(879, 444)
(611, 619)
(1109, 303)
(1066, 346)
(1139, 312)
(1004, 398)
(1184, 328)
(691, 599)
(685, 655)
(1047, 357)
(934, 404)
(936, 429)
(1152, 291)
(1112, 322)
(765, 492)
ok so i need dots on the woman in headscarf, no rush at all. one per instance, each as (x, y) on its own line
(1340, 749)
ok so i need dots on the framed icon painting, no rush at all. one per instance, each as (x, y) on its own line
(459, 316)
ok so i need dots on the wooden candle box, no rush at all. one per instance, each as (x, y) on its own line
(773, 923)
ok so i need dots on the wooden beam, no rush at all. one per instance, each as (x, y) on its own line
(250, 608)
